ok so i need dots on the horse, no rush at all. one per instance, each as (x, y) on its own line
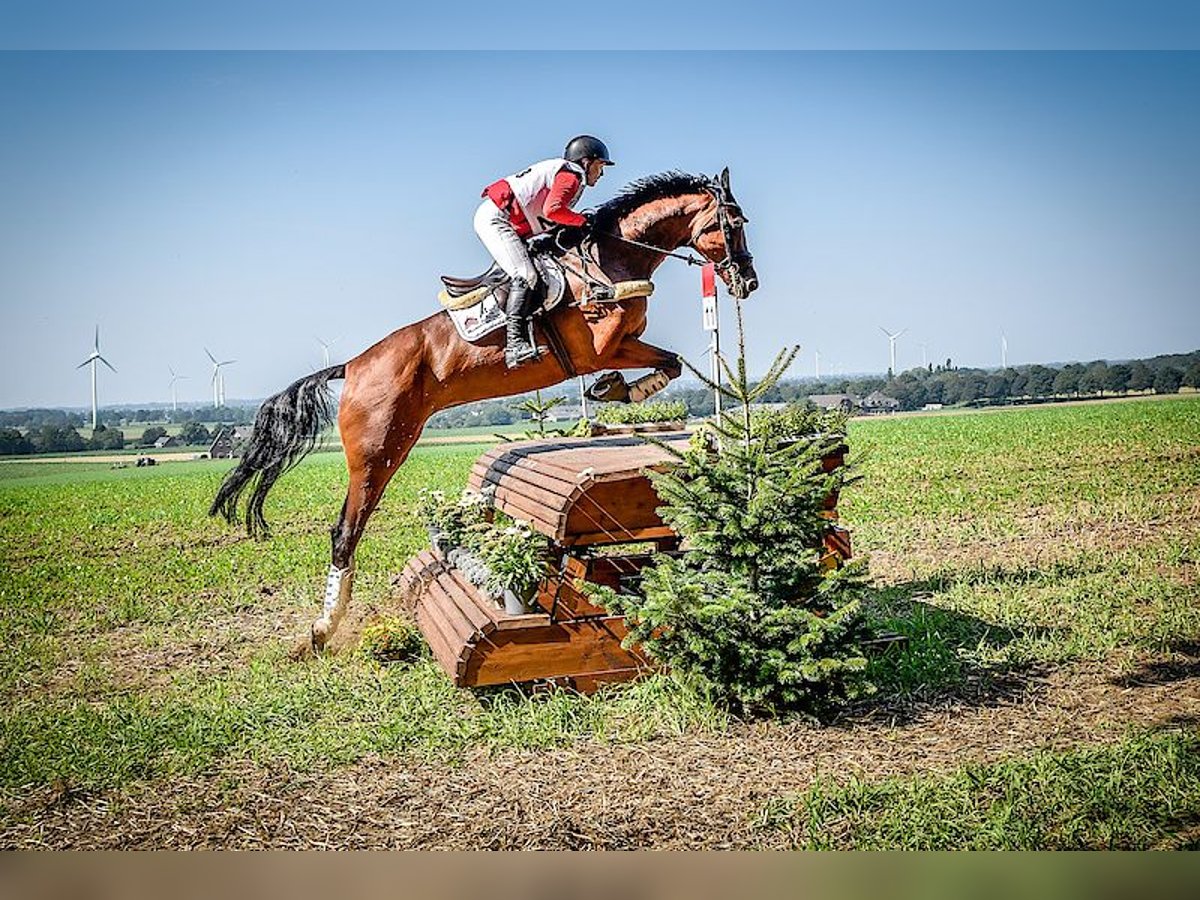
(393, 387)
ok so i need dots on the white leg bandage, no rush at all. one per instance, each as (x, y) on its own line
(647, 386)
(337, 589)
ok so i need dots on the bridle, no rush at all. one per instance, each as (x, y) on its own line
(735, 260)
(732, 265)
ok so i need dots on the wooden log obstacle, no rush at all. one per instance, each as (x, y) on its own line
(593, 499)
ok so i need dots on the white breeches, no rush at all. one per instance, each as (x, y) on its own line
(502, 241)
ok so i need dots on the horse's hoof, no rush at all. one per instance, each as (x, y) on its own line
(610, 387)
(318, 636)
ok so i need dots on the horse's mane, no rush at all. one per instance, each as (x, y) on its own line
(644, 190)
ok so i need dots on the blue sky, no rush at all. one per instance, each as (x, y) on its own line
(252, 201)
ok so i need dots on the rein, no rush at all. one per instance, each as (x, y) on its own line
(731, 259)
(686, 257)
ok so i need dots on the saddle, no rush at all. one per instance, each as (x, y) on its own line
(476, 305)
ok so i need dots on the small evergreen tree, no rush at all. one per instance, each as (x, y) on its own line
(748, 606)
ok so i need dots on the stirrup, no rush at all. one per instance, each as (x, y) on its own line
(523, 353)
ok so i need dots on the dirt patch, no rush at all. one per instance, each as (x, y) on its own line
(1040, 545)
(697, 791)
(142, 657)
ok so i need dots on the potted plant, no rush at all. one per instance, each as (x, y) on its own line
(450, 521)
(515, 556)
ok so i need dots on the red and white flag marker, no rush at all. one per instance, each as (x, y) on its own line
(712, 324)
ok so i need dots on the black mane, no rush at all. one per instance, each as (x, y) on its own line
(644, 190)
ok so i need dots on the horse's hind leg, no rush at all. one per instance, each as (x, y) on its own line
(367, 482)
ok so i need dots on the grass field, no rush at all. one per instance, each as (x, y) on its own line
(1042, 562)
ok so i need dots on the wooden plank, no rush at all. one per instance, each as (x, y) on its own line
(499, 620)
(538, 493)
(618, 507)
(560, 487)
(573, 603)
(482, 605)
(565, 649)
(551, 530)
(466, 598)
(446, 650)
(599, 537)
(460, 627)
(422, 567)
(519, 507)
(531, 461)
(575, 567)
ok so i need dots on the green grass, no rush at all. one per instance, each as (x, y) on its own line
(1139, 793)
(1038, 535)
(1000, 540)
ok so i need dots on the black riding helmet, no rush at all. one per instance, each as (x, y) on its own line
(586, 147)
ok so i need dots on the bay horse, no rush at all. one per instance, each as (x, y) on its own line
(392, 388)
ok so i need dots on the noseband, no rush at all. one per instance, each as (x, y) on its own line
(734, 261)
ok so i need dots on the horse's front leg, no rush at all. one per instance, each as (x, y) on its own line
(632, 353)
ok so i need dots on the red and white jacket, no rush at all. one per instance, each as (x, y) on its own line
(546, 190)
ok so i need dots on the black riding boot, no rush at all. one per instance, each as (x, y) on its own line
(519, 349)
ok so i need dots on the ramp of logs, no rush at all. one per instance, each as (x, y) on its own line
(588, 496)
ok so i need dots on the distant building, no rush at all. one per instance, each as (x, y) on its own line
(847, 403)
(879, 402)
(222, 445)
(932, 406)
(166, 441)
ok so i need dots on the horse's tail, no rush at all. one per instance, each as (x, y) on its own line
(285, 429)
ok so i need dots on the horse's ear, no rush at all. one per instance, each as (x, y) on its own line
(725, 178)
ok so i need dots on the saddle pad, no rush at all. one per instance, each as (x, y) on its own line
(477, 314)
(477, 320)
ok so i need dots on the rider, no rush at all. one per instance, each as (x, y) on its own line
(522, 205)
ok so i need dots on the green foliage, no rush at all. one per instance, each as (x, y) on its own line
(12, 442)
(56, 439)
(392, 639)
(150, 435)
(195, 433)
(538, 411)
(108, 439)
(748, 606)
(515, 556)
(453, 519)
(1139, 793)
(641, 413)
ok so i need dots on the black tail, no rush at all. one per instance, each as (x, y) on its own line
(285, 429)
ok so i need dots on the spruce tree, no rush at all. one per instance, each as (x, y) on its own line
(748, 605)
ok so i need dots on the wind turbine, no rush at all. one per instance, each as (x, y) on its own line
(817, 364)
(924, 355)
(325, 345)
(892, 346)
(174, 378)
(1003, 351)
(218, 381)
(93, 359)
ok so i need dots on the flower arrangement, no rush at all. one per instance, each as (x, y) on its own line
(452, 521)
(500, 555)
(515, 556)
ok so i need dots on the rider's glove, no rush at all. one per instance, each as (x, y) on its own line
(541, 243)
(569, 236)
